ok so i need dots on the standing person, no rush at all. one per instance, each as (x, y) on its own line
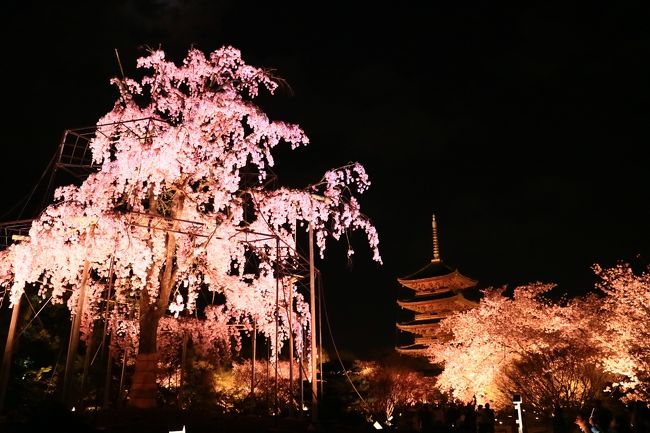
(485, 419)
(480, 425)
(452, 414)
(439, 417)
(469, 423)
(426, 418)
(601, 414)
(559, 420)
(589, 426)
(640, 416)
(490, 418)
(620, 424)
(416, 425)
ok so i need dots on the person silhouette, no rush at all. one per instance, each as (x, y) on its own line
(486, 419)
(589, 426)
(601, 415)
(559, 420)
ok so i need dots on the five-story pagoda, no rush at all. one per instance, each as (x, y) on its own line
(437, 290)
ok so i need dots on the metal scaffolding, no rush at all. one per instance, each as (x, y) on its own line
(74, 159)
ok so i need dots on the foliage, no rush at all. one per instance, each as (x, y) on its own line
(387, 389)
(553, 353)
(233, 387)
(183, 209)
(37, 361)
(626, 332)
(562, 377)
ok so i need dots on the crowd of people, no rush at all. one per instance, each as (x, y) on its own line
(448, 417)
(600, 419)
(473, 418)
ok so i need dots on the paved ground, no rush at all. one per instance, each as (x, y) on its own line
(165, 421)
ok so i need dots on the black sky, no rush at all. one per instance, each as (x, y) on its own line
(523, 127)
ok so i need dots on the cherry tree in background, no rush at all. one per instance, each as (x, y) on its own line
(625, 314)
(390, 389)
(494, 347)
(552, 353)
(182, 202)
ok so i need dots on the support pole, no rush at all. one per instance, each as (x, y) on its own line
(277, 324)
(183, 364)
(107, 381)
(268, 371)
(312, 311)
(301, 376)
(106, 350)
(9, 348)
(76, 322)
(320, 337)
(74, 332)
(292, 393)
(86, 366)
(253, 358)
(121, 389)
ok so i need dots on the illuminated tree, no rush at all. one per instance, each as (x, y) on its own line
(389, 389)
(626, 328)
(565, 376)
(184, 203)
(495, 346)
(552, 353)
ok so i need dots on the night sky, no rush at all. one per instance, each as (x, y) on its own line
(524, 128)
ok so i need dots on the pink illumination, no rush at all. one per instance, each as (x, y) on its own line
(167, 208)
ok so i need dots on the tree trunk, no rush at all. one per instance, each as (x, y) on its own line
(143, 385)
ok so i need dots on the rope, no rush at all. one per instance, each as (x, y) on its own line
(28, 197)
(338, 356)
(35, 315)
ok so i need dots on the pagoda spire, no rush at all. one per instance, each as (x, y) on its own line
(436, 249)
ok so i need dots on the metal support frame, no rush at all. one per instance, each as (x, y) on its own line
(74, 157)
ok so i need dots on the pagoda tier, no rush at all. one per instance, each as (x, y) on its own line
(425, 340)
(439, 305)
(436, 277)
(419, 347)
(413, 349)
(422, 327)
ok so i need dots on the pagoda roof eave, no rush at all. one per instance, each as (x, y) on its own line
(417, 324)
(436, 283)
(415, 302)
(413, 349)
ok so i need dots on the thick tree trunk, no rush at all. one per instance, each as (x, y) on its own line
(144, 385)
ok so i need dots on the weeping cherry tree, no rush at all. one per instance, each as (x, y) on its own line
(181, 202)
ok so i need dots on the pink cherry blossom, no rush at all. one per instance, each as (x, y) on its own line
(164, 219)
